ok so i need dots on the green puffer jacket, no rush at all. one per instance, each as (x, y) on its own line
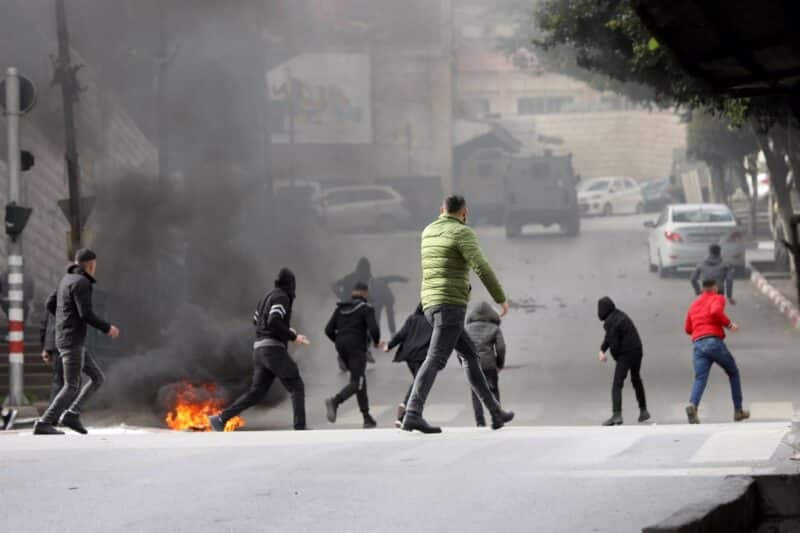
(449, 250)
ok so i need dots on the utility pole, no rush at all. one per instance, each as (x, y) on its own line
(66, 76)
(290, 110)
(163, 62)
(16, 311)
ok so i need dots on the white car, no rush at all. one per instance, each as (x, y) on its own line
(608, 196)
(683, 232)
(363, 208)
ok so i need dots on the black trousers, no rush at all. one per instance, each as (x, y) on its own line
(356, 363)
(625, 364)
(413, 367)
(71, 396)
(390, 316)
(272, 362)
(492, 378)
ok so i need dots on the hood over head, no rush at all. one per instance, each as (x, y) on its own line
(287, 282)
(483, 312)
(364, 269)
(605, 306)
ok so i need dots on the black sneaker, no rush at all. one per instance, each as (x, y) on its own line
(480, 423)
(414, 422)
(43, 428)
(9, 418)
(330, 410)
(216, 423)
(73, 422)
(691, 414)
(615, 420)
(644, 415)
(501, 418)
(369, 422)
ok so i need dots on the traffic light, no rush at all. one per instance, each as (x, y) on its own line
(26, 160)
(16, 218)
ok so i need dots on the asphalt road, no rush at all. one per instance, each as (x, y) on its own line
(544, 479)
(553, 334)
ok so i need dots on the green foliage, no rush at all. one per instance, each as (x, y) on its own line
(716, 141)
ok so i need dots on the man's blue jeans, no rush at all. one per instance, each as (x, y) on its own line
(708, 351)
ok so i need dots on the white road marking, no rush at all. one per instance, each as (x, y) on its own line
(739, 445)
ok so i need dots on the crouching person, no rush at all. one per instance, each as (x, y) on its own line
(623, 340)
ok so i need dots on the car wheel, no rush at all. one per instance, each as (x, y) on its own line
(513, 228)
(663, 272)
(608, 210)
(651, 266)
(572, 225)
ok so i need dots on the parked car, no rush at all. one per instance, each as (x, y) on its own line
(683, 232)
(363, 208)
(656, 195)
(610, 195)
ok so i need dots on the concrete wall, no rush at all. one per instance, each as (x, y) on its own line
(109, 143)
(639, 144)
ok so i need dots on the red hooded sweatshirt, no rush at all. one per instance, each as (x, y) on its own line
(706, 317)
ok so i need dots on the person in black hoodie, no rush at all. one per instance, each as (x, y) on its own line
(380, 292)
(271, 358)
(351, 326)
(73, 312)
(623, 340)
(413, 338)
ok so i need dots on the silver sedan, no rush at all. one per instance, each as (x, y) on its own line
(683, 232)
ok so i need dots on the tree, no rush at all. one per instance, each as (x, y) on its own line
(713, 140)
(607, 40)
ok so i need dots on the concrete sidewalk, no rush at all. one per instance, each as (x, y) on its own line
(517, 479)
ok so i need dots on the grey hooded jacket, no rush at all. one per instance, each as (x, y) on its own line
(483, 327)
(714, 268)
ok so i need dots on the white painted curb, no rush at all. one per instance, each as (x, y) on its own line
(781, 302)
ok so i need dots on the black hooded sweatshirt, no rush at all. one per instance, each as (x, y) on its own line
(362, 274)
(350, 325)
(621, 338)
(414, 338)
(273, 315)
(74, 310)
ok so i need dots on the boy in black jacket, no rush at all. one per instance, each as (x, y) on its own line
(271, 359)
(352, 325)
(623, 340)
(414, 338)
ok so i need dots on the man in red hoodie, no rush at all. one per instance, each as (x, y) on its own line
(706, 323)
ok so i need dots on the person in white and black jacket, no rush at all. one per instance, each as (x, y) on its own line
(271, 358)
(350, 327)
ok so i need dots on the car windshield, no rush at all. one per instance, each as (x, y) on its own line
(591, 186)
(700, 215)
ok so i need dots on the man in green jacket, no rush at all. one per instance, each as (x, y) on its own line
(449, 250)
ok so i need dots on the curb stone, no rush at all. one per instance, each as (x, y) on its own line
(781, 302)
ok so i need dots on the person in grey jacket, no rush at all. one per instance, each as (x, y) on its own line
(714, 268)
(483, 327)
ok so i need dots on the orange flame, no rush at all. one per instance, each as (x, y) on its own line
(193, 404)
